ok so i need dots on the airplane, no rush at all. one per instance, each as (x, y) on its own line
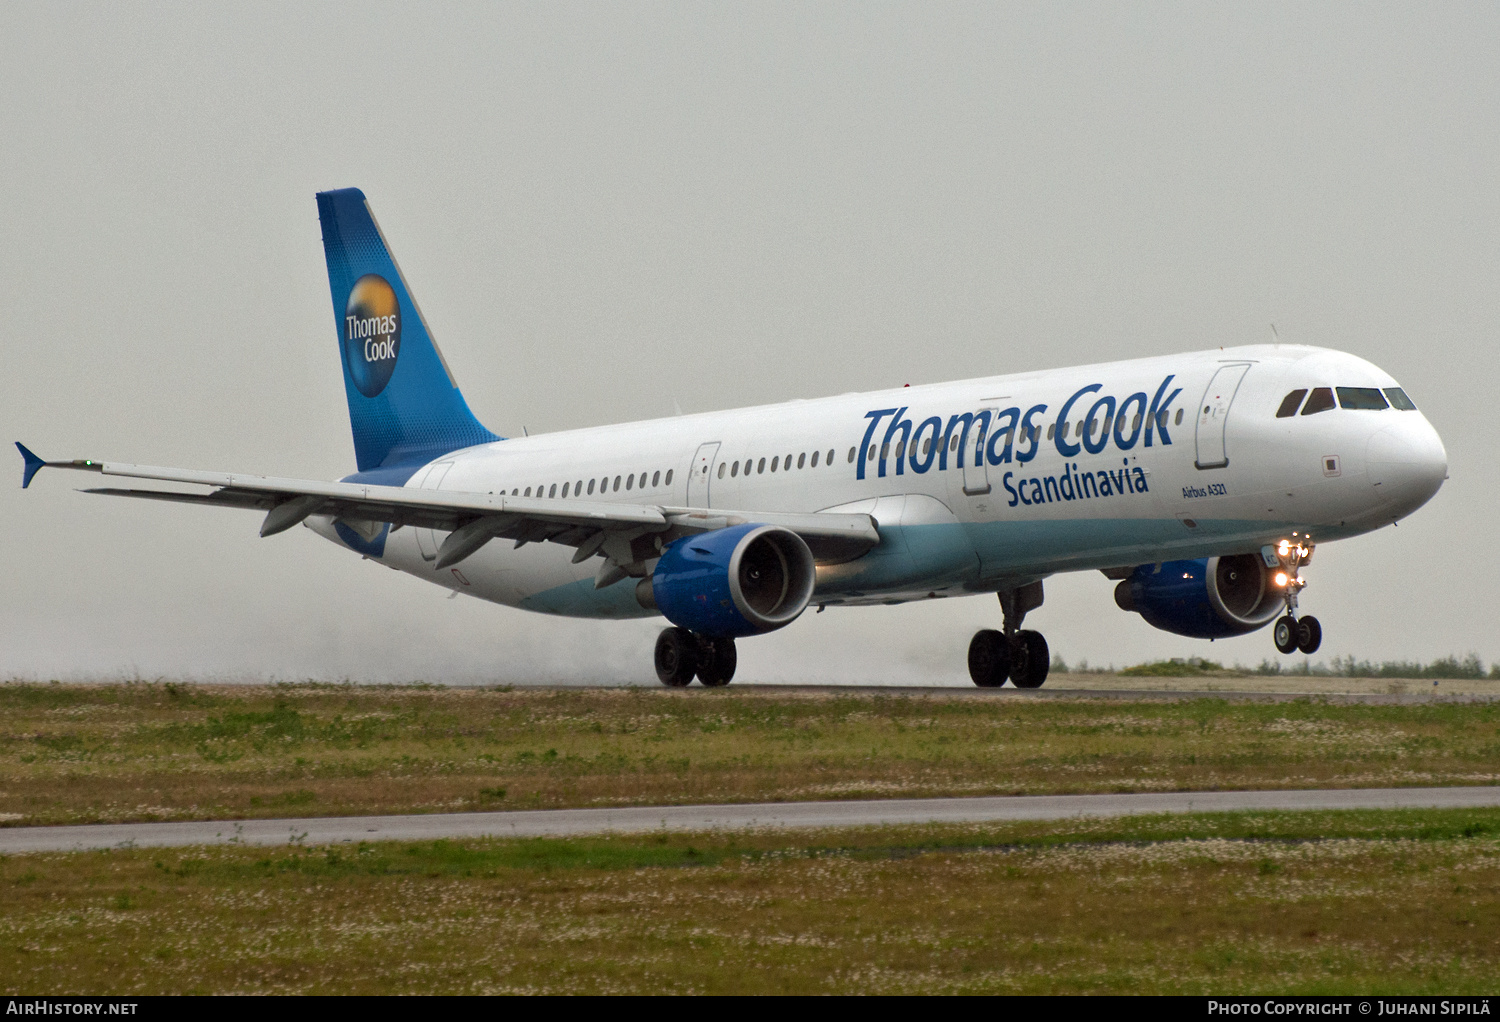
(1199, 483)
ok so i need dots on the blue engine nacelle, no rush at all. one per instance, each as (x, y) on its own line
(743, 580)
(1210, 598)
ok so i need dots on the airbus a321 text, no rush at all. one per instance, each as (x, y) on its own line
(1198, 482)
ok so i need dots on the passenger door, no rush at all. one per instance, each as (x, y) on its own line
(701, 475)
(1213, 414)
(976, 472)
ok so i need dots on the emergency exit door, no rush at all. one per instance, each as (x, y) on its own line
(428, 540)
(1213, 415)
(701, 475)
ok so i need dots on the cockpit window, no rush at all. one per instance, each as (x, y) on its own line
(1399, 399)
(1368, 399)
(1291, 403)
(1321, 400)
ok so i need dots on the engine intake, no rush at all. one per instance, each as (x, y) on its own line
(1209, 598)
(738, 581)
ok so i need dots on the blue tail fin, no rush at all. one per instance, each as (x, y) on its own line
(404, 407)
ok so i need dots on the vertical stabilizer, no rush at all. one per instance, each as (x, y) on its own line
(404, 406)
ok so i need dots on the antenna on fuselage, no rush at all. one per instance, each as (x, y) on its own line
(1275, 337)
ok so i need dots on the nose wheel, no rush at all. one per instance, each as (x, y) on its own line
(1292, 633)
(1298, 634)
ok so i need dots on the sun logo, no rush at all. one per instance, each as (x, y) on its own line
(371, 334)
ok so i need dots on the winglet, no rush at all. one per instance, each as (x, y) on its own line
(33, 465)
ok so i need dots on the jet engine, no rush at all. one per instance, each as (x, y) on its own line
(1209, 598)
(732, 582)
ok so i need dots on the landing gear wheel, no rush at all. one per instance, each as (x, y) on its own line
(989, 658)
(1309, 635)
(717, 659)
(1286, 634)
(1030, 659)
(676, 657)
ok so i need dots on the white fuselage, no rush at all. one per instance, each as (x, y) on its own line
(1213, 471)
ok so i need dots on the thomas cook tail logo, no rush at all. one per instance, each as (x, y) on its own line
(372, 333)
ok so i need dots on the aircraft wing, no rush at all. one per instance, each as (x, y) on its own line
(625, 534)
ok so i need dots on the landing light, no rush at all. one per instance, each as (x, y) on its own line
(1281, 578)
(1284, 549)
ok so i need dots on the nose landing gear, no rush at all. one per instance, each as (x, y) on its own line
(1020, 655)
(1293, 633)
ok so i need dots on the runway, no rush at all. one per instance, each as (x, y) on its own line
(645, 819)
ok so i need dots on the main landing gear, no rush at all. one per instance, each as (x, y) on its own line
(1021, 656)
(1293, 633)
(681, 654)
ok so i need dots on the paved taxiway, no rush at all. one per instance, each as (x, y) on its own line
(644, 819)
(1415, 694)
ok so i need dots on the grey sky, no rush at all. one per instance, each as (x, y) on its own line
(603, 208)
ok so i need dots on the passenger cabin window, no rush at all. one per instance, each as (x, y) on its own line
(1368, 399)
(815, 458)
(773, 463)
(591, 487)
(1179, 416)
(528, 491)
(761, 467)
(722, 467)
(851, 455)
(830, 457)
(656, 478)
(1399, 399)
(617, 484)
(565, 489)
(801, 460)
(668, 480)
(1320, 400)
(1291, 403)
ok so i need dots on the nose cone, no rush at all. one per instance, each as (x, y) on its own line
(1407, 463)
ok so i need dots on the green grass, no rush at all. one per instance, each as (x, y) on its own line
(1397, 902)
(72, 754)
(1194, 667)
